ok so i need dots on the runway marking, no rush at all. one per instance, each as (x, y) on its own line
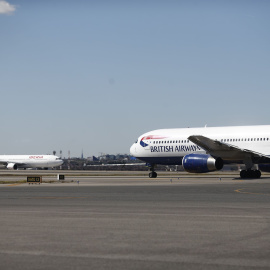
(240, 190)
(12, 185)
(57, 198)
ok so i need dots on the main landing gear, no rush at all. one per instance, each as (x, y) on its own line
(152, 174)
(250, 174)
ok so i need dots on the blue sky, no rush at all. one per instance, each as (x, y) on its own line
(94, 75)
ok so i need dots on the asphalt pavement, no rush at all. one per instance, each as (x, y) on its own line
(133, 222)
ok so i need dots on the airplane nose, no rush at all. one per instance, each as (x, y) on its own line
(60, 162)
(133, 150)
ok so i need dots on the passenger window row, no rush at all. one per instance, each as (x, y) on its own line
(177, 141)
(244, 139)
(222, 140)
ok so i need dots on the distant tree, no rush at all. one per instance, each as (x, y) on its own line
(54, 152)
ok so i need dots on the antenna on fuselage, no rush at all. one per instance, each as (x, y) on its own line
(205, 126)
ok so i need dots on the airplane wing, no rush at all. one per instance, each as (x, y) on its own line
(12, 165)
(3, 162)
(227, 151)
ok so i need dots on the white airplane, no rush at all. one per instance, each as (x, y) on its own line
(14, 162)
(207, 149)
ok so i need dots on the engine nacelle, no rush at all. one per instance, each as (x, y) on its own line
(12, 166)
(199, 163)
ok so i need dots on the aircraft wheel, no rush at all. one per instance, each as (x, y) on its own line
(250, 174)
(257, 173)
(243, 174)
(153, 175)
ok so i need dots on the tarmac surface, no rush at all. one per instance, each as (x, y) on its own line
(122, 220)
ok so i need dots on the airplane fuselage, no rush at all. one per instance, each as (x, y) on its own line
(170, 146)
(30, 161)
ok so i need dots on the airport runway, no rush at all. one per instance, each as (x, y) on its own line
(128, 221)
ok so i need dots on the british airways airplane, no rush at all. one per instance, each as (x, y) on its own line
(202, 150)
(14, 162)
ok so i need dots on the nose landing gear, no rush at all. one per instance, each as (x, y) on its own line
(152, 173)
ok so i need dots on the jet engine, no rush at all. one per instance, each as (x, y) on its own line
(200, 163)
(12, 166)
